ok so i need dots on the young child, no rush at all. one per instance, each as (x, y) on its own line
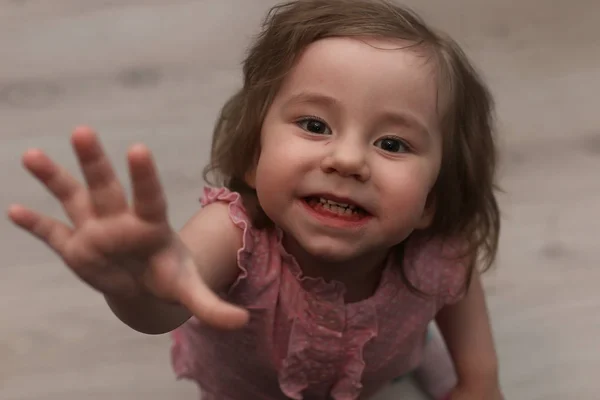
(352, 204)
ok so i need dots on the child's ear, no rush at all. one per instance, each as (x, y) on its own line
(250, 178)
(428, 213)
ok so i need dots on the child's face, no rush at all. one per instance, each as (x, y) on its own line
(355, 124)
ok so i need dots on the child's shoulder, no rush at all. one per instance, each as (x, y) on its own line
(437, 265)
(255, 247)
(232, 208)
(222, 195)
(222, 220)
(235, 211)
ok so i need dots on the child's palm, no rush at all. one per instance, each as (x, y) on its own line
(116, 248)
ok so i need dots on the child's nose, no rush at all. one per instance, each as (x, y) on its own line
(347, 158)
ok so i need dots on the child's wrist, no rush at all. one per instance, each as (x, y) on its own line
(483, 374)
(484, 380)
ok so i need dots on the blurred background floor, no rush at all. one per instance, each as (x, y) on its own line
(158, 72)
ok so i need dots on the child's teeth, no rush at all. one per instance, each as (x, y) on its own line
(339, 208)
(334, 203)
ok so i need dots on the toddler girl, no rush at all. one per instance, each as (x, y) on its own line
(352, 204)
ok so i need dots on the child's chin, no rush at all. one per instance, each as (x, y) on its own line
(335, 253)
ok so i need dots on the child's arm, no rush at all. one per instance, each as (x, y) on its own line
(467, 332)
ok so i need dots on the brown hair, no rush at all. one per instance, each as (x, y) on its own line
(464, 197)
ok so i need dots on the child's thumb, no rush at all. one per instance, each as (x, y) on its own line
(205, 305)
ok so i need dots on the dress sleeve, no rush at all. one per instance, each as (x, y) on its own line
(437, 268)
(454, 269)
(239, 216)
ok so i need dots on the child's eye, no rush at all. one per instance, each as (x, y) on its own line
(314, 125)
(392, 145)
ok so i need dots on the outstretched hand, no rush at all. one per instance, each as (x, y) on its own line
(119, 249)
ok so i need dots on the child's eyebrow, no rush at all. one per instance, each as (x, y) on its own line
(405, 119)
(397, 118)
(314, 98)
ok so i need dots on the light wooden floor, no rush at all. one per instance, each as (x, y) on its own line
(157, 71)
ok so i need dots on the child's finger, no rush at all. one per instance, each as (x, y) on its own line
(54, 233)
(106, 193)
(209, 308)
(148, 196)
(71, 194)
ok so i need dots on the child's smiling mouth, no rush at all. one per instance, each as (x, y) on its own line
(336, 212)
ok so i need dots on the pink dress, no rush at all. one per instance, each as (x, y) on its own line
(303, 341)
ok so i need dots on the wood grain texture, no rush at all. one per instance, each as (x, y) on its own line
(158, 71)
